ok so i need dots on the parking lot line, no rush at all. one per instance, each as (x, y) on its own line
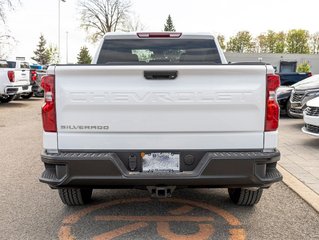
(182, 210)
(237, 234)
(154, 218)
(65, 233)
(205, 231)
(121, 231)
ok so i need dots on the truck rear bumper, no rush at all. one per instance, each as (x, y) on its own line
(110, 170)
(15, 89)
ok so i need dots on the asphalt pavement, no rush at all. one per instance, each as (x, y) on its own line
(31, 210)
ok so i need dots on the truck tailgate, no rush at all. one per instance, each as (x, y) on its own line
(22, 77)
(117, 108)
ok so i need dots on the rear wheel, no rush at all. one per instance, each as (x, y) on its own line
(6, 99)
(29, 95)
(75, 196)
(17, 97)
(245, 197)
(39, 94)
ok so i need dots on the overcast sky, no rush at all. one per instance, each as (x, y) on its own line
(220, 17)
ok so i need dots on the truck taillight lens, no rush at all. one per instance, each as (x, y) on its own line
(272, 107)
(48, 109)
(11, 76)
(33, 75)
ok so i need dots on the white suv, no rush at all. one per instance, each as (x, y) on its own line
(311, 117)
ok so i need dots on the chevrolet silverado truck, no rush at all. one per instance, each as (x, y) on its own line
(23, 76)
(160, 111)
(13, 81)
(37, 72)
(288, 79)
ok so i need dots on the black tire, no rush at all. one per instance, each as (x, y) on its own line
(27, 96)
(7, 99)
(75, 196)
(17, 97)
(245, 197)
(39, 94)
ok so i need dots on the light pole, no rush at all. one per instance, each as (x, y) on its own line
(67, 47)
(59, 28)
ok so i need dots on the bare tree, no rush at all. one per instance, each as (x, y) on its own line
(102, 16)
(133, 24)
(6, 5)
(6, 40)
(6, 44)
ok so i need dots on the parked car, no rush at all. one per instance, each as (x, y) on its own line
(283, 95)
(38, 73)
(288, 79)
(23, 76)
(301, 93)
(311, 117)
(178, 116)
(13, 82)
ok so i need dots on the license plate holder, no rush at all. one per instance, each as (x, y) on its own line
(161, 162)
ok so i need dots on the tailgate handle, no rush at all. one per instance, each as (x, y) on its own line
(160, 75)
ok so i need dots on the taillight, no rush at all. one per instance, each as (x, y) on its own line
(309, 74)
(33, 75)
(48, 109)
(159, 35)
(11, 76)
(272, 107)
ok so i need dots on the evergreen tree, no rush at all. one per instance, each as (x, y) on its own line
(84, 56)
(53, 53)
(41, 54)
(169, 26)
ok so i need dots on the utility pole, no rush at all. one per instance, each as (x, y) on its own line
(67, 47)
(59, 28)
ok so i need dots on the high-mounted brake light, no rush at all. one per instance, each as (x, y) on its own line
(159, 35)
(11, 76)
(48, 109)
(272, 108)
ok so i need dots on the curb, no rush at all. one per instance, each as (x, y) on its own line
(301, 189)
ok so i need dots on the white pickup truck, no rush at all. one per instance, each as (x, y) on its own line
(13, 81)
(160, 111)
(23, 77)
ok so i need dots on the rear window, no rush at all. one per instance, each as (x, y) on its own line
(12, 64)
(159, 51)
(3, 64)
(24, 65)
